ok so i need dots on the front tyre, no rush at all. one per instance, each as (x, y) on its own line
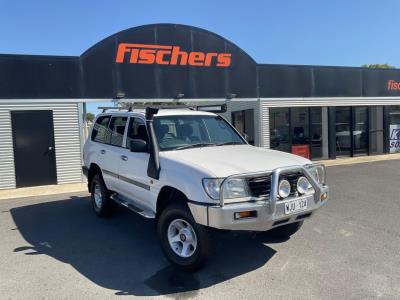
(102, 204)
(185, 243)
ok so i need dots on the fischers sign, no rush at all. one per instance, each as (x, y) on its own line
(169, 55)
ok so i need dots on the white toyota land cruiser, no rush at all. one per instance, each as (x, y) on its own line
(190, 170)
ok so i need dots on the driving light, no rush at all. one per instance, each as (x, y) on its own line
(302, 185)
(284, 188)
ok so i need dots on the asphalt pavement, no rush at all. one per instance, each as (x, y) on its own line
(54, 247)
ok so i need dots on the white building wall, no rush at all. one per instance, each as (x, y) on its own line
(66, 137)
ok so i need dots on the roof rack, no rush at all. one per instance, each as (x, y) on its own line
(221, 108)
(105, 108)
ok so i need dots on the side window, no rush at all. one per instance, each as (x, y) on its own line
(136, 131)
(116, 131)
(100, 129)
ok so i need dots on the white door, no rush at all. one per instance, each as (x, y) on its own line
(133, 181)
(110, 151)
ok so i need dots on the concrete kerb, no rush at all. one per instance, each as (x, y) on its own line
(43, 190)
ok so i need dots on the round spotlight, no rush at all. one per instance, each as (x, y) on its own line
(302, 185)
(284, 188)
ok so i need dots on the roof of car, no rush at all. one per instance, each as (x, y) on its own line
(161, 112)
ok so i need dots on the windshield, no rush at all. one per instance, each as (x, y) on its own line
(182, 132)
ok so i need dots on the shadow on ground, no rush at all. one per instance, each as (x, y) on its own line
(122, 253)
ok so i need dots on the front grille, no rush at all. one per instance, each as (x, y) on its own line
(260, 187)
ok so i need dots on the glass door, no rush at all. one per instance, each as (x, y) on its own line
(376, 130)
(279, 129)
(319, 132)
(360, 131)
(343, 131)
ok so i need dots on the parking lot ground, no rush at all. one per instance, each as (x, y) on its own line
(54, 247)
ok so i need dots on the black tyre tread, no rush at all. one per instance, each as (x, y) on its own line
(108, 204)
(194, 263)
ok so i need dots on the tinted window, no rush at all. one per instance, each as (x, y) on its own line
(116, 131)
(136, 131)
(279, 129)
(100, 129)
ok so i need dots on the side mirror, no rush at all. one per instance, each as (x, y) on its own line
(138, 146)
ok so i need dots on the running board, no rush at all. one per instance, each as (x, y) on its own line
(148, 214)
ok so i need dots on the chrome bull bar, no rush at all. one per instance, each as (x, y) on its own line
(275, 174)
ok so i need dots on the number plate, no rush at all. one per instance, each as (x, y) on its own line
(295, 206)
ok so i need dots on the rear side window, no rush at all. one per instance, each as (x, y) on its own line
(116, 131)
(99, 131)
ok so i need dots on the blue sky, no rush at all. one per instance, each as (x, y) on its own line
(338, 32)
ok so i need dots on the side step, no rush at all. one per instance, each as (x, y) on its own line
(148, 214)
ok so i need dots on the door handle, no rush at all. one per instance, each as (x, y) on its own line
(103, 151)
(124, 158)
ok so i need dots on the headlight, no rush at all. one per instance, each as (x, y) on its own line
(212, 187)
(318, 172)
(303, 185)
(284, 188)
(233, 188)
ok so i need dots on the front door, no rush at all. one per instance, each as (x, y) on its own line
(34, 154)
(134, 182)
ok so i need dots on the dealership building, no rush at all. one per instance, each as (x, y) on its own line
(319, 112)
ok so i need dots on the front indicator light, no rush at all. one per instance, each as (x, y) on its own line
(245, 214)
(324, 196)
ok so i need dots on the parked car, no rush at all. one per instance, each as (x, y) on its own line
(193, 173)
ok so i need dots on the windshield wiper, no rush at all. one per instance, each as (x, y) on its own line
(194, 146)
(229, 143)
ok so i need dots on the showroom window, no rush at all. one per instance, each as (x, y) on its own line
(279, 129)
(243, 121)
(300, 130)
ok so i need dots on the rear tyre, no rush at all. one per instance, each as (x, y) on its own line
(185, 243)
(285, 230)
(101, 201)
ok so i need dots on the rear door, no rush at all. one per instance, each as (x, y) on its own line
(107, 138)
(112, 150)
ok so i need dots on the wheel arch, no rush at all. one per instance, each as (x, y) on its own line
(93, 170)
(168, 195)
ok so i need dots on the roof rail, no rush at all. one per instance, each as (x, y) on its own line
(105, 108)
(221, 108)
